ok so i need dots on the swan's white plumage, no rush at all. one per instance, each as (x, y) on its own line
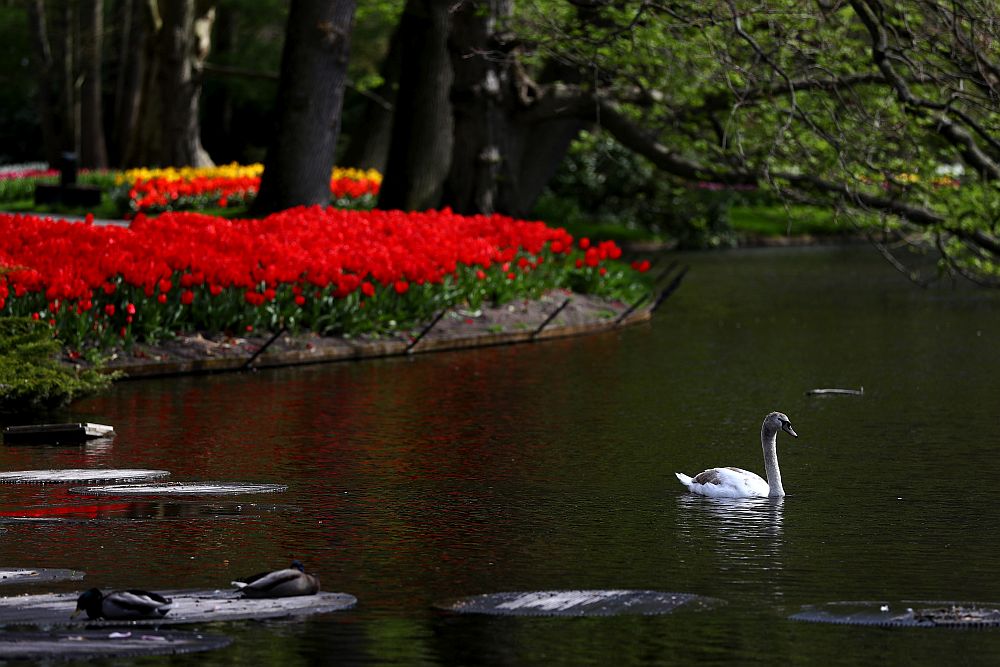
(739, 483)
(727, 483)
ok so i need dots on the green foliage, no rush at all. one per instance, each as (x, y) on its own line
(784, 220)
(605, 191)
(796, 98)
(30, 376)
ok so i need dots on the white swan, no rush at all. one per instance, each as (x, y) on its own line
(739, 483)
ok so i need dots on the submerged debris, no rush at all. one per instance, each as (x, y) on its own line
(958, 615)
(904, 614)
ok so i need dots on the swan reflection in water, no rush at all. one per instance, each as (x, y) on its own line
(738, 529)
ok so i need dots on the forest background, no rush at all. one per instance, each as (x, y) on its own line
(659, 118)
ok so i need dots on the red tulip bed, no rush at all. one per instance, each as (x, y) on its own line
(325, 270)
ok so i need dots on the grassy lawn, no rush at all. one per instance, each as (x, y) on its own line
(107, 210)
(778, 220)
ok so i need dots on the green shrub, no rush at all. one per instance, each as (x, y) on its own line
(30, 376)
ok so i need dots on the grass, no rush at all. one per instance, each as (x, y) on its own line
(107, 210)
(755, 221)
(777, 220)
(607, 231)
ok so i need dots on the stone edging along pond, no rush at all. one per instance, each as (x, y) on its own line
(556, 314)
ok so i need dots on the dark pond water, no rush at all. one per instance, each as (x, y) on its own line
(550, 466)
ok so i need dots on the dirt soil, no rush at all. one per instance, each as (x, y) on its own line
(517, 321)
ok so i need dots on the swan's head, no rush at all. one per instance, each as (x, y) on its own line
(779, 420)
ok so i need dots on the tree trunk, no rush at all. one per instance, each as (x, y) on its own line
(52, 45)
(216, 101)
(420, 152)
(310, 97)
(503, 156)
(61, 23)
(47, 99)
(170, 133)
(184, 45)
(369, 144)
(93, 148)
(542, 147)
(481, 142)
(131, 69)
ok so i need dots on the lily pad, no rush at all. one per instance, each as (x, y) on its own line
(906, 613)
(57, 434)
(102, 643)
(578, 603)
(139, 510)
(26, 575)
(80, 475)
(189, 606)
(181, 489)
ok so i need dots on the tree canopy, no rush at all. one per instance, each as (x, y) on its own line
(866, 106)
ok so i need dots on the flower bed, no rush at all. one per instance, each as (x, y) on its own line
(189, 188)
(18, 184)
(325, 270)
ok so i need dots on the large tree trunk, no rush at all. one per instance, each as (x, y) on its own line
(169, 132)
(481, 135)
(54, 44)
(310, 96)
(420, 152)
(369, 144)
(184, 45)
(93, 148)
(131, 69)
(216, 101)
(62, 20)
(503, 156)
(47, 99)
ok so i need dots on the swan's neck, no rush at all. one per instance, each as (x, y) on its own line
(769, 441)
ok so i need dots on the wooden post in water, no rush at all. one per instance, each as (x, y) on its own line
(264, 347)
(426, 330)
(631, 309)
(548, 319)
(669, 290)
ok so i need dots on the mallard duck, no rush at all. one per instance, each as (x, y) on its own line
(286, 583)
(122, 605)
(739, 483)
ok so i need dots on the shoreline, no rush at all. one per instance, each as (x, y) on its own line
(557, 314)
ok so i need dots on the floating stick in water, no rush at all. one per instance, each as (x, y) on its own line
(842, 392)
